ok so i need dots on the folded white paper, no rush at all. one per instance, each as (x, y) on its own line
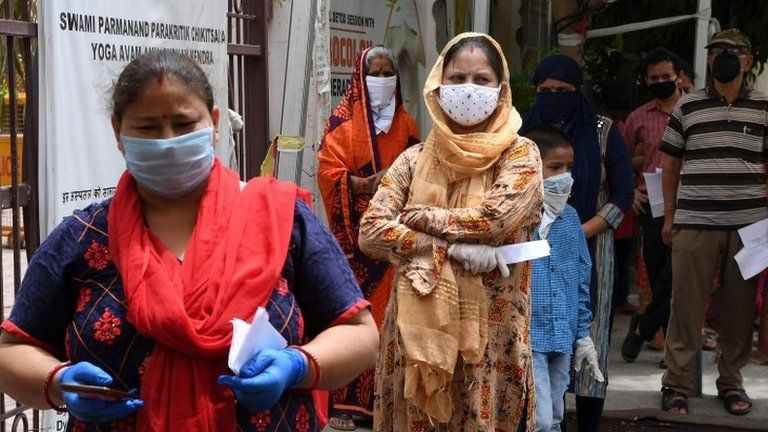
(527, 251)
(755, 235)
(248, 339)
(753, 257)
(655, 193)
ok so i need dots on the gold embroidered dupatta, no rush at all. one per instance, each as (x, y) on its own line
(441, 312)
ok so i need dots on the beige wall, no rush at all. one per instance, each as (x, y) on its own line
(762, 80)
(505, 20)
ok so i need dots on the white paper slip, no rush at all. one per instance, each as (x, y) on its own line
(753, 257)
(755, 235)
(527, 251)
(751, 261)
(657, 209)
(655, 193)
(248, 339)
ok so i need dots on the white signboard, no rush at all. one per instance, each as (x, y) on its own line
(84, 44)
(357, 24)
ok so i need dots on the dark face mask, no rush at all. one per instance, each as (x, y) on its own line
(558, 106)
(662, 90)
(726, 67)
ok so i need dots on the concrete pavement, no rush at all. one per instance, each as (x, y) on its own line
(7, 265)
(634, 391)
(637, 386)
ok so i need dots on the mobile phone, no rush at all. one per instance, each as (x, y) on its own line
(98, 392)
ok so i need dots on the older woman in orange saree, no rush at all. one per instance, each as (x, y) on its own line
(366, 132)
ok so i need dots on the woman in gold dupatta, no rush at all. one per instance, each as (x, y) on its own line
(366, 132)
(455, 352)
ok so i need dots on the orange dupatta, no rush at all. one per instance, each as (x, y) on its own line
(443, 313)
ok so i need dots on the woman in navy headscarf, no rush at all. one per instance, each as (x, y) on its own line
(603, 190)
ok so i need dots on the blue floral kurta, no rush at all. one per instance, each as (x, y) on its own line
(72, 304)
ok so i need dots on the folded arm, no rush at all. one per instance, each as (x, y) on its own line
(514, 201)
(382, 235)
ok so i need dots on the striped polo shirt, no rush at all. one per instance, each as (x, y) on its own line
(724, 149)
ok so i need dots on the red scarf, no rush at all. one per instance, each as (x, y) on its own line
(232, 263)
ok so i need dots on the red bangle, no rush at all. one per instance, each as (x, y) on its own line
(311, 357)
(47, 387)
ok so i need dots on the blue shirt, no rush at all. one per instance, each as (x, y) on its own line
(560, 287)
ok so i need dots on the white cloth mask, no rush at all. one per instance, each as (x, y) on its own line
(557, 190)
(381, 94)
(468, 104)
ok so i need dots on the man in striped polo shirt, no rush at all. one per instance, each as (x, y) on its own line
(718, 137)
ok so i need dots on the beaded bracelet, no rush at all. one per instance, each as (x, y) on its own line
(311, 357)
(47, 386)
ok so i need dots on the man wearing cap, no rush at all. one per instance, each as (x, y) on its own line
(718, 136)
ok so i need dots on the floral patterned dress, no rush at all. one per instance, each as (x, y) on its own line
(497, 393)
(72, 304)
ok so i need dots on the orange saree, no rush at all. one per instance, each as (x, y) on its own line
(351, 147)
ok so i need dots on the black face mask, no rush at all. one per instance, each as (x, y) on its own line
(726, 67)
(662, 90)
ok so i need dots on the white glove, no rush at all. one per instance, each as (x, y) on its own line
(479, 258)
(585, 350)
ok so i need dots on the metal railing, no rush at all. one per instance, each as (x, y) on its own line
(248, 94)
(248, 91)
(18, 31)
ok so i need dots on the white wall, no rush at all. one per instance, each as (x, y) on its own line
(288, 35)
(293, 98)
(277, 42)
(762, 80)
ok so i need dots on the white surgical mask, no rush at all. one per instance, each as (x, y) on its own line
(468, 104)
(381, 93)
(172, 167)
(557, 189)
(559, 184)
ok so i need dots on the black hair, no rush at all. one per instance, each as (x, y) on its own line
(658, 55)
(617, 94)
(548, 138)
(687, 69)
(159, 64)
(493, 56)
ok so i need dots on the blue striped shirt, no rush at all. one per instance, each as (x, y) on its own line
(560, 311)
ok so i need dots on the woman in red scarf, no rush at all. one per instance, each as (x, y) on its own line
(137, 292)
(366, 133)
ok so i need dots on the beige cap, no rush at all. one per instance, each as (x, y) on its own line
(732, 37)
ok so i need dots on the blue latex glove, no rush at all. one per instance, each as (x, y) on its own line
(90, 409)
(265, 377)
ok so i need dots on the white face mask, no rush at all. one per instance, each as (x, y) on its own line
(557, 189)
(381, 90)
(468, 104)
